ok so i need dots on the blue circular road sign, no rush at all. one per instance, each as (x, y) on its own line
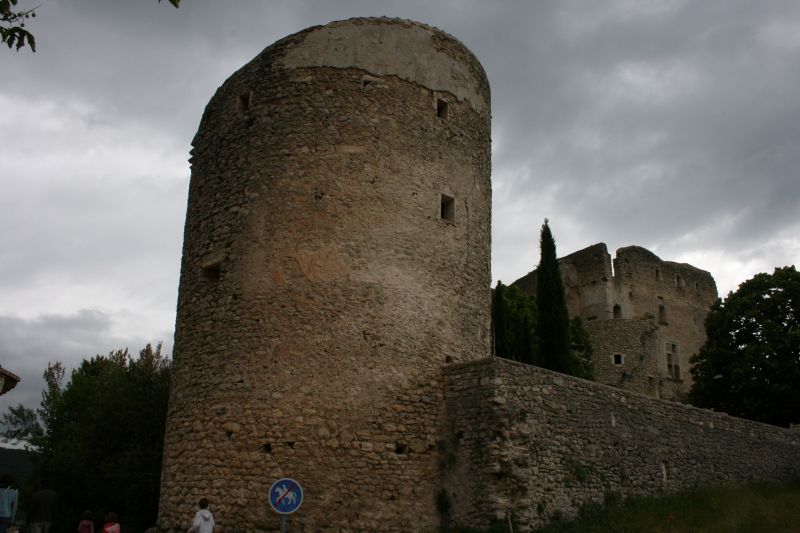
(285, 496)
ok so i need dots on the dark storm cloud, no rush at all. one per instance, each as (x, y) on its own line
(646, 127)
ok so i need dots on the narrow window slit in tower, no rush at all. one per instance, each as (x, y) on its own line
(441, 109)
(617, 311)
(448, 211)
(662, 311)
(617, 359)
(244, 102)
(211, 272)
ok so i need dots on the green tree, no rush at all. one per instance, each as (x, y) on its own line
(29, 426)
(750, 364)
(552, 317)
(499, 327)
(514, 322)
(12, 24)
(102, 435)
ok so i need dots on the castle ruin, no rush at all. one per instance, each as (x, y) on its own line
(645, 317)
(333, 315)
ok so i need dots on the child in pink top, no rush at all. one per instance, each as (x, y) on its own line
(111, 525)
(86, 525)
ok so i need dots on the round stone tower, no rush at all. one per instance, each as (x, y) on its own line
(336, 254)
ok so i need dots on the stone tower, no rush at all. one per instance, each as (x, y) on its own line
(336, 254)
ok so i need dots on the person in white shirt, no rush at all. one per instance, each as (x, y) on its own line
(8, 502)
(203, 520)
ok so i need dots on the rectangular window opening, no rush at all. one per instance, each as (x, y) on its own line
(211, 272)
(673, 368)
(243, 104)
(441, 109)
(448, 211)
(662, 311)
(617, 359)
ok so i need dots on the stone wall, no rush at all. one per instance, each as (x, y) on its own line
(529, 443)
(624, 354)
(336, 254)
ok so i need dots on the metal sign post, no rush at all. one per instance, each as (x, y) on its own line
(285, 497)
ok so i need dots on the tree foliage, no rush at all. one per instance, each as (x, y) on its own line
(524, 328)
(750, 364)
(514, 320)
(552, 318)
(100, 436)
(12, 24)
(29, 426)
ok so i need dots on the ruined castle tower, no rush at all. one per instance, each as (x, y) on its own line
(645, 316)
(336, 254)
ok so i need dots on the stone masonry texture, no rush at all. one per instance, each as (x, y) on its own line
(336, 254)
(530, 443)
(645, 316)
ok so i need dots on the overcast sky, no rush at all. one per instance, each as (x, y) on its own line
(673, 125)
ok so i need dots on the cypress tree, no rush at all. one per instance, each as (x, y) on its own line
(553, 320)
(499, 321)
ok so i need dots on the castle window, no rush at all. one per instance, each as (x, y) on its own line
(673, 367)
(658, 274)
(617, 311)
(617, 359)
(441, 109)
(211, 272)
(662, 311)
(678, 281)
(243, 104)
(448, 211)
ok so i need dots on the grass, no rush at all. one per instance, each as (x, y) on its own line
(755, 508)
